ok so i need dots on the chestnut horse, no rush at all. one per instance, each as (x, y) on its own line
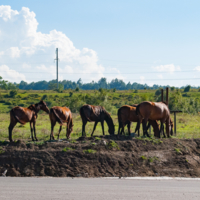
(24, 115)
(155, 111)
(127, 114)
(96, 114)
(61, 115)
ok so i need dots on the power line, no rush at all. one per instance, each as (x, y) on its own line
(152, 72)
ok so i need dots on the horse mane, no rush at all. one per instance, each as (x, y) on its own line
(35, 107)
(108, 118)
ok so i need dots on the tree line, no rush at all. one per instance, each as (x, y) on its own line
(67, 84)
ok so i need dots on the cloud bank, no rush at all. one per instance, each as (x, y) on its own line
(27, 54)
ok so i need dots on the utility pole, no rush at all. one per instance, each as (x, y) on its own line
(57, 65)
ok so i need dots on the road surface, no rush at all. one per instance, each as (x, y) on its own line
(97, 189)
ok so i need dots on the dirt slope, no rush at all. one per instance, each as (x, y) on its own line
(102, 156)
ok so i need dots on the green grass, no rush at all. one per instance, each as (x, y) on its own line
(178, 151)
(152, 159)
(89, 151)
(67, 149)
(112, 144)
(187, 124)
(143, 157)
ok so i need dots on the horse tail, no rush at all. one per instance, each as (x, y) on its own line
(56, 116)
(137, 110)
(16, 118)
(119, 120)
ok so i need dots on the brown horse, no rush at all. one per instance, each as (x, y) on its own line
(96, 114)
(155, 111)
(127, 114)
(61, 115)
(24, 115)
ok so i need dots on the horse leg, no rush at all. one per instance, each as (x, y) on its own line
(164, 131)
(31, 127)
(129, 127)
(53, 123)
(95, 124)
(102, 125)
(10, 128)
(144, 123)
(83, 128)
(161, 128)
(59, 131)
(167, 124)
(138, 128)
(34, 131)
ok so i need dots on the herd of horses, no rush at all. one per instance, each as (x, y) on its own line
(145, 112)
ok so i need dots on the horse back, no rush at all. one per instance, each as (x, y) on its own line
(127, 113)
(154, 110)
(91, 112)
(63, 113)
(23, 115)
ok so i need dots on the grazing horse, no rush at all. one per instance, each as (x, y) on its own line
(96, 114)
(155, 111)
(61, 115)
(24, 115)
(127, 114)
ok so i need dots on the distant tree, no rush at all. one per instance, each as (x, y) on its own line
(187, 88)
(172, 88)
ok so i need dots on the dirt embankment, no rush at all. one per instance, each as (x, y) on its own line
(101, 157)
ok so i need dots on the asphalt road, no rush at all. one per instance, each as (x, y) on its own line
(97, 188)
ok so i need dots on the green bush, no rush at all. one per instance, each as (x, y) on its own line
(13, 93)
(187, 88)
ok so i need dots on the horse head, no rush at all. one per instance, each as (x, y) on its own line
(43, 106)
(69, 130)
(111, 127)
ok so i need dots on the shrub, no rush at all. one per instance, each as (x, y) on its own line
(77, 89)
(158, 92)
(187, 88)
(70, 94)
(13, 93)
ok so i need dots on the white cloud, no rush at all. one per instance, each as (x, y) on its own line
(167, 68)
(160, 76)
(197, 68)
(22, 46)
(10, 74)
(142, 78)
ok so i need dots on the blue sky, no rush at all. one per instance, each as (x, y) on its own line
(138, 41)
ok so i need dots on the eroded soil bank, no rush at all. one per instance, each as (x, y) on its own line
(101, 157)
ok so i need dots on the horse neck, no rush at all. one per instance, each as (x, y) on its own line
(108, 120)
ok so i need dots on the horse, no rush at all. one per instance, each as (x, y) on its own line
(96, 114)
(24, 115)
(155, 111)
(61, 115)
(127, 114)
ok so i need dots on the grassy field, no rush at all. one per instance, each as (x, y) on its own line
(187, 123)
(187, 127)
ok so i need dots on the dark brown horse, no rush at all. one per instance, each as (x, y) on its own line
(24, 115)
(155, 111)
(61, 115)
(96, 114)
(127, 114)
